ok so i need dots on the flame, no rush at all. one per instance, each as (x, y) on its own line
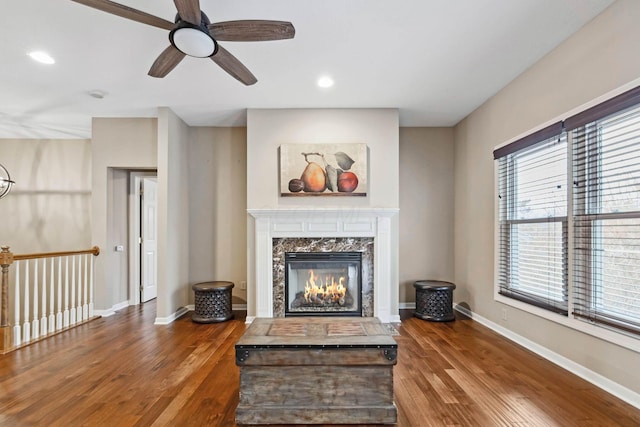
(318, 291)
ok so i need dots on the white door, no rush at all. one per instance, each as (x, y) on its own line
(149, 247)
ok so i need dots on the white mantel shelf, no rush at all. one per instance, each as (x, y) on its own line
(320, 223)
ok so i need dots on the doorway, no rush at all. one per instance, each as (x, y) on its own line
(143, 240)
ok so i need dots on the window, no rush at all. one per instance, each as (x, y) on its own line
(606, 168)
(602, 284)
(533, 223)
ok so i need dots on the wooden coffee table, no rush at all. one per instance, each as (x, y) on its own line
(316, 370)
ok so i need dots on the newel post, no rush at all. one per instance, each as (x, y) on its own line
(6, 259)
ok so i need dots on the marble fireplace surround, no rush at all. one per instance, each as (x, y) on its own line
(363, 245)
(321, 224)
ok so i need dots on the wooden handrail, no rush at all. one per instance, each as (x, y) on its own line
(95, 251)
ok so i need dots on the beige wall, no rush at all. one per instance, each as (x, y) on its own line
(268, 129)
(116, 144)
(599, 58)
(53, 186)
(218, 207)
(173, 215)
(426, 207)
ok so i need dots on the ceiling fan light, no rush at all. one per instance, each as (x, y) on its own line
(193, 42)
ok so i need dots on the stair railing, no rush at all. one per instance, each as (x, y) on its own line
(51, 292)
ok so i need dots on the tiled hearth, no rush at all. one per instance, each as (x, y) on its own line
(278, 230)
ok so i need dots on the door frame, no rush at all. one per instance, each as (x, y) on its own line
(135, 210)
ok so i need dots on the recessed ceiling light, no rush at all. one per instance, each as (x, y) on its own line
(42, 57)
(325, 82)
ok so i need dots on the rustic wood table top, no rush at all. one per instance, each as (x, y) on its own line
(316, 332)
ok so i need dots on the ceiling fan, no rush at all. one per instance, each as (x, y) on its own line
(193, 34)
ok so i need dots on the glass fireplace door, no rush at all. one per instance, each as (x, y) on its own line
(323, 283)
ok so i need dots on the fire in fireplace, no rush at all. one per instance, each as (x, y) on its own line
(323, 283)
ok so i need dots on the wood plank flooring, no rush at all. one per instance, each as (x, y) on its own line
(124, 371)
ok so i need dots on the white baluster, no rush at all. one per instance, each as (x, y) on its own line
(59, 321)
(35, 323)
(26, 326)
(79, 306)
(85, 306)
(43, 319)
(52, 317)
(65, 313)
(17, 332)
(73, 291)
(93, 261)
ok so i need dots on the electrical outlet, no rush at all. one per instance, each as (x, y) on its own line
(504, 314)
(243, 285)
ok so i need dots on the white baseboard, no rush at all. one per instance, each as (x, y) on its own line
(594, 378)
(407, 306)
(394, 318)
(166, 320)
(104, 313)
(188, 308)
(111, 311)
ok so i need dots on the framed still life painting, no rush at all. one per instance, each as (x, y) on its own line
(323, 170)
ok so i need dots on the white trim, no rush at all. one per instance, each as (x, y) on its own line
(111, 311)
(104, 313)
(594, 378)
(121, 305)
(615, 337)
(169, 319)
(394, 318)
(407, 306)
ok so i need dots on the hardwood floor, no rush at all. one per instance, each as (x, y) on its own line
(124, 371)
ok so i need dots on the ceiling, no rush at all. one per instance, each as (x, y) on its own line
(434, 60)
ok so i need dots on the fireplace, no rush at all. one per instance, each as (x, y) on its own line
(278, 231)
(323, 283)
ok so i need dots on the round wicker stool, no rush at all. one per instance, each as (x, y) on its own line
(212, 302)
(434, 300)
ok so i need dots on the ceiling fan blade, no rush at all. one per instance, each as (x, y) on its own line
(252, 30)
(167, 61)
(127, 12)
(231, 65)
(189, 10)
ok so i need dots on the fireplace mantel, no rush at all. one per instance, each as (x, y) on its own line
(319, 223)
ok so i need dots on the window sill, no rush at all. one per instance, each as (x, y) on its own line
(621, 339)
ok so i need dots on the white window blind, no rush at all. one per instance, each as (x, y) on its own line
(532, 175)
(606, 174)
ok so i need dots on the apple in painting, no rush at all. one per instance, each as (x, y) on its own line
(347, 182)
